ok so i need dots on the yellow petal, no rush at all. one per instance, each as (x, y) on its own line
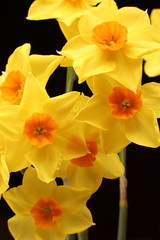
(75, 223)
(44, 10)
(124, 75)
(111, 165)
(151, 66)
(50, 234)
(4, 175)
(109, 3)
(65, 106)
(71, 199)
(33, 93)
(94, 17)
(155, 17)
(20, 200)
(143, 39)
(114, 140)
(15, 155)
(151, 97)
(88, 59)
(19, 60)
(31, 179)
(96, 112)
(132, 16)
(90, 177)
(45, 160)
(10, 122)
(69, 31)
(143, 128)
(22, 227)
(43, 66)
(101, 84)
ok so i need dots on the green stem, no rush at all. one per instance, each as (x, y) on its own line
(83, 235)
(71, 237)
(123, 204)
(70, 78)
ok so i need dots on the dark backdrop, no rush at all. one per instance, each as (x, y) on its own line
(143, 164)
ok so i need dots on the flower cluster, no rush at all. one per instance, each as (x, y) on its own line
(73, 136)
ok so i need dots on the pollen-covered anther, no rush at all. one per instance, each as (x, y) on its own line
(12, 87)
(110, 35)
(124, 102)
(40, 129)
(46, 212)
(88, 159)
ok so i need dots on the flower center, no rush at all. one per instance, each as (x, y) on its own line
(12, 87)
(40, 129)
(89, 158)
(124, 102)
(110, 35)
(46, 212)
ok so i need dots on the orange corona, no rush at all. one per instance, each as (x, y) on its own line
(40, 129)
(124, 102)
(110, 35)
(45, 212)
(12, 87)
(89, 158)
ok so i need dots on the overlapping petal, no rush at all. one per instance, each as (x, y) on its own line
(4, 175)
(90, 59)
(65, 11)
(143, 129)
(71, 200)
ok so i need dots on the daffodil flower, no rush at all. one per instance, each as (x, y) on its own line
(122, 114)
(152, 63)
(37, 130)
(65, 10)
(47, 211)
(113, 43)
(88, 170)
(19, 64)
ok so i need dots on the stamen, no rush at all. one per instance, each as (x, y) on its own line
(110, 35)
(46, 212)
(40, 129)
(12, 87)
(124, 102)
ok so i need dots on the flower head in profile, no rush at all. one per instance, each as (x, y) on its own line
(123, 114)
(19, 64)
(152, 60)
(89, 169)
(113, 42)
(47, 211)
(65, 11)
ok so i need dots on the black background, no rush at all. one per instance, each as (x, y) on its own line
(143, 164)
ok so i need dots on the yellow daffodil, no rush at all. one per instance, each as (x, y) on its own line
(72, 30)
(113, 42)
(88, 170)
(65, 10)
(20, 63)
(46, 211)
(124, 114)
(37, 130)
(152, 61)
